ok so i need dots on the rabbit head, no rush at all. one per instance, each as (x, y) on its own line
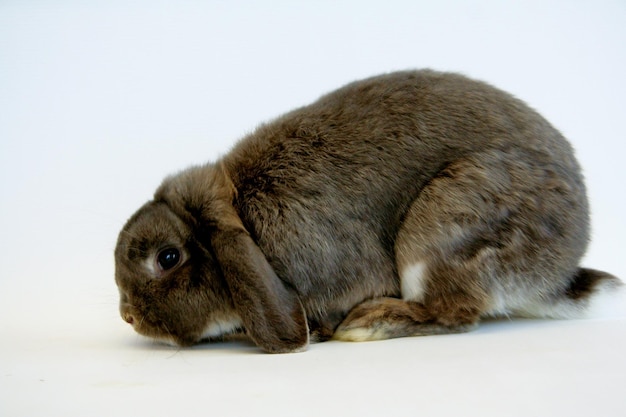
(187, 270)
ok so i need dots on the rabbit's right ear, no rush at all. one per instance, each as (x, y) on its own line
(271, 311)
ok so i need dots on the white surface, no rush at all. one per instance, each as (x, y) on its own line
(99, 101)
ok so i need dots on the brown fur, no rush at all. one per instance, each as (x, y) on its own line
(307, 226)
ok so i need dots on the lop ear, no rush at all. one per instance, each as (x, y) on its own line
(271, 312)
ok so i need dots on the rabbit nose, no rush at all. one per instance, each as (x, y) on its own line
(129, 318)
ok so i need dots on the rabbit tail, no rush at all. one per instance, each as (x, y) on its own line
(581, 297)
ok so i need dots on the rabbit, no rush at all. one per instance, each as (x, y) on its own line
(410, 203)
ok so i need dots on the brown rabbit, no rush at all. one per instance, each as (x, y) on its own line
(411, 203)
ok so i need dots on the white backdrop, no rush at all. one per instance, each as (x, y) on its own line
(100, 100)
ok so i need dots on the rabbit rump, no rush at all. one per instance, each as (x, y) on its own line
(411, 203)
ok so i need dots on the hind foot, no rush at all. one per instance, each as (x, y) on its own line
(388, 318)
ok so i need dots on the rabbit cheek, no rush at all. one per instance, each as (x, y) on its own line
(181, 317)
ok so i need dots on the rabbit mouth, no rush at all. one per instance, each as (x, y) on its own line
(141, 325)
(160, 333)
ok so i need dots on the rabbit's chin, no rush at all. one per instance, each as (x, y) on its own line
(216, 330)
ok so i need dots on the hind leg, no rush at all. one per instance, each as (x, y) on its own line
(454, 307)
(443, 259)
(481, 239)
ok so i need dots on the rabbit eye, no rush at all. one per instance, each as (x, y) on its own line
(168, 258)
